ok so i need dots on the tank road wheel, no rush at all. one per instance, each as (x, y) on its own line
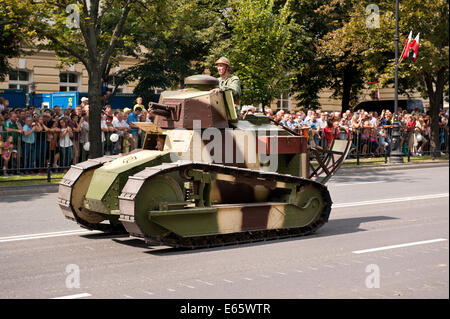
(161, 188)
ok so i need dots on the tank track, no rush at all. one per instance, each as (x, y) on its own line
(127, 198)
(65, 194)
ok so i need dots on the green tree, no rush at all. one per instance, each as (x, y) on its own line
(176, 35)
(324, 60)
(430, 74)
(260, 48)
(86, 31)
(13, 34)
(376, 46)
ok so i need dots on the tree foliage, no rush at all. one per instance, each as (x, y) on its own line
(176, 35)
(259, 40)
(90, 32)
(13, 34)
(374, 49)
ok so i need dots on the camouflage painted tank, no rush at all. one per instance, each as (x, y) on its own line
(204, 177)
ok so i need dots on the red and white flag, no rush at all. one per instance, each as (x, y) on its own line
(405, 52)
(415, 46)
(410, 44)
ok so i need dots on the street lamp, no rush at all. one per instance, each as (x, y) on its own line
(396, 154)
(33, 92)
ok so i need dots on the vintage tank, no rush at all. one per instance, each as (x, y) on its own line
(205, 177)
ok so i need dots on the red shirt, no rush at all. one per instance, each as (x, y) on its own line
(410, 126)
(328, 133)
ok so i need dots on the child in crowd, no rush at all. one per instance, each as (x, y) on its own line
(1, 143)
(126, 143)
(8, 152)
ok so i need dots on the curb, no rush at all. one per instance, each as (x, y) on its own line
(29, 189)
(389, 167)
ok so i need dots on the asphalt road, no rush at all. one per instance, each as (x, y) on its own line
(387, 237)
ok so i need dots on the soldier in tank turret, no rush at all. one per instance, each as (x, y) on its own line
(228, 81)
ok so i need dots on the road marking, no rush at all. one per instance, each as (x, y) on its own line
(149, 293)
(343, 264)
(74, 296)
(390, 200)
(246, 278)
(205, 282)
(357, 183)
(188, 286)
(229, 281)
(171, 290)
(47, 235)
(398, 246)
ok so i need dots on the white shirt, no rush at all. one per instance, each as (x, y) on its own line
(120, 124)
(103, 125)
(373, 121)
(65, 141)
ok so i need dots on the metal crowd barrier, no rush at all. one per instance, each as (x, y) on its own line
(369, 144)
(46, 156)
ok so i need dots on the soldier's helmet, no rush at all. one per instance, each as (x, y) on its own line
(224, 60)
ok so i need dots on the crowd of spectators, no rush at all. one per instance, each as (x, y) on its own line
(370, 132)
(31, 140)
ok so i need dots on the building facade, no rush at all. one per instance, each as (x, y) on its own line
(43, 73)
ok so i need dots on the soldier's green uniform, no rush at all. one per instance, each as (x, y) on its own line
(231, 82)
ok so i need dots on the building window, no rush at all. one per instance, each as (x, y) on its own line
(68, 81)
(112, 80)
(284, 102)
(20, 79)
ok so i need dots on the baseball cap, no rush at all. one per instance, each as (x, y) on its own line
(126, 109)
(84, 99)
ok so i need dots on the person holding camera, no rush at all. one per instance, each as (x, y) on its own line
(28, 143)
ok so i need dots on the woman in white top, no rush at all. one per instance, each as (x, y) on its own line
(65, 143)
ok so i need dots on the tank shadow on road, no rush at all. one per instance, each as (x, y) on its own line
(347, 225)
(14, 198)
(364, 176)
(332, 228)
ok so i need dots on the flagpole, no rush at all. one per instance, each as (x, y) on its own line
(396, 154)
